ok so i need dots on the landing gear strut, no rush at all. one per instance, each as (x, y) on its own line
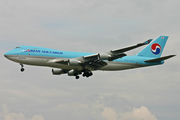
(22, 69)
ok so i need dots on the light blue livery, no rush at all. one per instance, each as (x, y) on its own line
(77, 63)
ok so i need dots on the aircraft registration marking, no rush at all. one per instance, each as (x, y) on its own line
(21, 58)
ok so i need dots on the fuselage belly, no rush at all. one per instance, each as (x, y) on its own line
(43, 61)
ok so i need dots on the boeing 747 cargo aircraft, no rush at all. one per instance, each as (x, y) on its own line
(77, 63)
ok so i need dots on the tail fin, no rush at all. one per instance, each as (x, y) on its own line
(155, 49)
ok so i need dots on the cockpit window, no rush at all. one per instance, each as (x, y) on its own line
(17, 47)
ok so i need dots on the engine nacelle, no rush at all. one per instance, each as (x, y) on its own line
(104, 56)
(71, 73)
(57, 71)
(74, 62)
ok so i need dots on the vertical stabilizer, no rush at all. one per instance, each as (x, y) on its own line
(154, 49)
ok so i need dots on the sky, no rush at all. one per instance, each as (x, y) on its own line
(150, 93)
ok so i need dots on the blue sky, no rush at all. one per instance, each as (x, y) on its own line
(89, 26)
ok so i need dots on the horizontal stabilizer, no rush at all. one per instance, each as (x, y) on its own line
(160, 59)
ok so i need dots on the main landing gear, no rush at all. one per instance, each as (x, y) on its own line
(77, 77)
(22, 67)
(86, 73)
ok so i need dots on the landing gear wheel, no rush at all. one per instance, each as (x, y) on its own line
(77, 77)
(87, 73)
(22, 69)
(83, 75)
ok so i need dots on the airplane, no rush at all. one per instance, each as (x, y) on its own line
(77, 63)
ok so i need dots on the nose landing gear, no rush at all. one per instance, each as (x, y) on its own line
(22, 67)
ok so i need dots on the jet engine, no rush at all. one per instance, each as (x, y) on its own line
(73, 73)
(74, 62)
(104, 56)
(57, 71)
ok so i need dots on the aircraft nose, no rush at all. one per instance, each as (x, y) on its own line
(9, 54)
(6, 54)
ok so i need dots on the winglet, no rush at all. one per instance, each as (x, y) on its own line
(148, 41)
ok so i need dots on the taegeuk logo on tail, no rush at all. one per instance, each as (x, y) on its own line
(155, 48)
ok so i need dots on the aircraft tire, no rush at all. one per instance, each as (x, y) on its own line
(22, 69)
(77, 77)
(83, 75)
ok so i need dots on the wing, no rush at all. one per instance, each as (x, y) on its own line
(96, 61)
(114, 54)
(131, 47)
(92, 62)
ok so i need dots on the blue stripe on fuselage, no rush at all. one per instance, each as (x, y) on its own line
(40, 51)
(46, 52)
